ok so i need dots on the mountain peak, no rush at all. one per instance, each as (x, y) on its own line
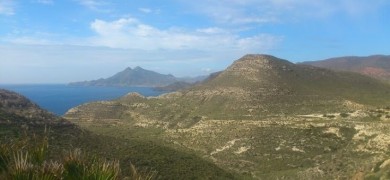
(256, 63)
(138, 68)
(258, 56)
(132, 77)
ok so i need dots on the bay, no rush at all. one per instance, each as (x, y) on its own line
(59, 98)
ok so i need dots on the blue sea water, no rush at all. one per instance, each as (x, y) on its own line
(58, 98)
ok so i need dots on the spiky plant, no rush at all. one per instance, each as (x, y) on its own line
(4, 157)
(79, 166)
(104, 170)
(20, 167)
(39, 149)
(144, 175)
(74, 165)
(26, 159)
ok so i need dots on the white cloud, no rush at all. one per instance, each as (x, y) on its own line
(145, 10)
(211, 30)
(26, 40)
(7, 7)
(206, 70)
(130, 33)
(35, 38)
(96, 5)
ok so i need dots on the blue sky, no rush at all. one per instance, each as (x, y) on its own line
(51, 41)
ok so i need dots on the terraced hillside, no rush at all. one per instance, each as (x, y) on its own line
(264, 118)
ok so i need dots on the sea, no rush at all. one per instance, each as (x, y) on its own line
(59, 98)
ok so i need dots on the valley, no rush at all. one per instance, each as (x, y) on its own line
(194, 90)
(334, 145)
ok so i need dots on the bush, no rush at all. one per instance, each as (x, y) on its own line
(26, 159)
(344, 115)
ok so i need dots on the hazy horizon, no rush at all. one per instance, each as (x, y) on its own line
(47, 41)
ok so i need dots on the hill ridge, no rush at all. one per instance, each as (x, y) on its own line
(376, 66)
(132, 77)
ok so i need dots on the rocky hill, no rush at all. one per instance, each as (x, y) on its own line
(21, 118)
(264, 118)
(257, 86)
(377, 66)
(132, 77)
(139, 77)
(19, 109)
(262, 85)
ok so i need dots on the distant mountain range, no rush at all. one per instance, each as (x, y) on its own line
(138, 77)
(377, 66)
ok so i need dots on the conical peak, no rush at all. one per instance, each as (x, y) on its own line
(256, 62)
(138, 68)
(262, 58)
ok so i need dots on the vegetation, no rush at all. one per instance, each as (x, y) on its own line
(143, 151)
(262, 118)
(376, 66)
(27, 158)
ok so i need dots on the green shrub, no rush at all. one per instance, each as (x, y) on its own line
(329, 116)
(136, 175)
(26, 159)
(344, 115)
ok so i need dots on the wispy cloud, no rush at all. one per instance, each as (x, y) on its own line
(145, 10)
(47, 2)
(133, 34)
(276, 11)
(7, 7)
(95, 5)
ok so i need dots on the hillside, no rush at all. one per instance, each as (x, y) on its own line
(132, 77)
(20, 117)
(258, 86)
(15, 105)
(377, 66)
(264, 118)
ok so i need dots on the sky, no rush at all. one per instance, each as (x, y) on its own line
(61, 41)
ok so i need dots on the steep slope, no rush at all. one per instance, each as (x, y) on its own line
(265, 118)
(132, 77)
(377, 66)
(20, 117)
(264, 84)
(13, 104)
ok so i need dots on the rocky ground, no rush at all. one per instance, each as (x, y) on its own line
(307, 146)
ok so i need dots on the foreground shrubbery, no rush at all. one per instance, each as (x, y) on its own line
(26, 159)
